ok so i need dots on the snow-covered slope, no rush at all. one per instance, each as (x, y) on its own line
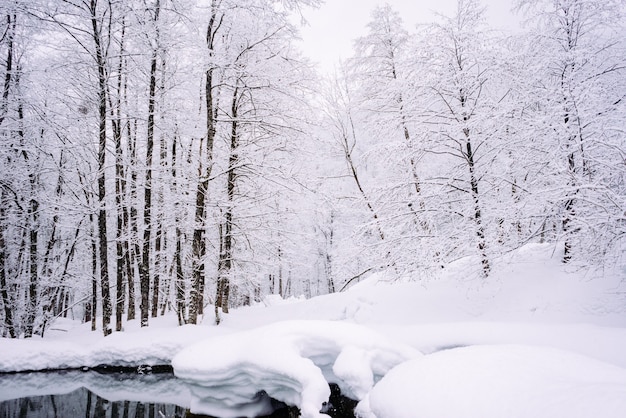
(531, 312)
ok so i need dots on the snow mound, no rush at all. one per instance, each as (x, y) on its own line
(291, 361)
(499, 381)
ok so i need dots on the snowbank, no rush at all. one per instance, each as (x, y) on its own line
(291, 361)
(499, 381)
(129, 349)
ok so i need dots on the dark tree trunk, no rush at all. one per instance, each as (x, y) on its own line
(569, 211)
(179, 281)
(196, 304)
(329, 261)
(33, 232)
(480, 232)
(10, 33)
(131, 245)
(4, 294)
(158, 251)
(144, 283)
(226, 253)
(121, 245)
(160, 296)
(353, 171)
(102, 224)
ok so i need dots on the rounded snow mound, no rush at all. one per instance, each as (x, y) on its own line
(291, 361)
(499, 381)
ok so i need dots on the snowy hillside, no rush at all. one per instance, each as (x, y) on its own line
(535, 339)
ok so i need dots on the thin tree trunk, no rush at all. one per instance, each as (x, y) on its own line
(4, 105)
(407, 135)
(120, 189)
(33, 232)
(199, 245)
(226, 255)
(131, 246)
(144, 283)
(329, 264)
(33, 250)
(4, 294)
(480, 232)
(569, 210)
(158, 251)
(102, 224)
(159, 296)
(355, 177)
(91, 306)
(94, 274)
(6, 301)
(179, 281)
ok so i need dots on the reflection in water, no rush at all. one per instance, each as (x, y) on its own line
(84, 403)
(91, 394)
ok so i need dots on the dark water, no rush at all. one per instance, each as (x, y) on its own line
(84, 403)
(117, 394)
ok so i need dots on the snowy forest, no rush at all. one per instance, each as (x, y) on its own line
(185, 156)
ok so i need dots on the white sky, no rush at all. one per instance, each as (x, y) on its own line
(333, 26)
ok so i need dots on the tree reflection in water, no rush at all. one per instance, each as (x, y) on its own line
(84, 403)
(118, 394)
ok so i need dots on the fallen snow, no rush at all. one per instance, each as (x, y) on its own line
(291, 361)
(499, 381)
(569, 320)
(131, 349)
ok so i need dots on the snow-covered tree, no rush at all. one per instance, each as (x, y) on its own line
(455, 68)
(574, 98)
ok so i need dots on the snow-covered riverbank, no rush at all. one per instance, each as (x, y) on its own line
(550, 341)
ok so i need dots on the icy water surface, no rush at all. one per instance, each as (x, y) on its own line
(114, 394)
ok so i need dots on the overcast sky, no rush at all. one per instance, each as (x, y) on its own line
(332, 28)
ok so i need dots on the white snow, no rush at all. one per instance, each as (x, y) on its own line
(85, 349)
(535, 339)
(291, 361)
(499, 381)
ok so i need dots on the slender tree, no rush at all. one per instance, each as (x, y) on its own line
(199, 243)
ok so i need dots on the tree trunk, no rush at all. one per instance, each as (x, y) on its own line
(147, 212)
(179, 281)
(4, 294)
(569, 210)
(121, 245)
(355, 177)
(199, 244)
(226, 253)
(131, 246)
(94, 274)
(480, 232)
(102, 224)
(10, 32)
(329, 261)
(158, 251)
(33, 232)
(160, 296)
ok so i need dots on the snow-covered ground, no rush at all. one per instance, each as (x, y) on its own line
(536, 339)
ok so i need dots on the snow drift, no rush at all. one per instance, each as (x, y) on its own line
(291, 361)
(499, 381)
